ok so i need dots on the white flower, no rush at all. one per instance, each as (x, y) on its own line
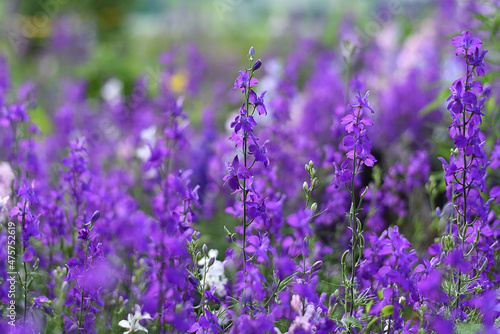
(132, 323)
(3, 202)
(215, 273)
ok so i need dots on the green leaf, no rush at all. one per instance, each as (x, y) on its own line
(464, 328)
(369, 306)
(353, 321)
(387, 310)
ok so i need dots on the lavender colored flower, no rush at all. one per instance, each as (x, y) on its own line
(243, 81)
(258, 102)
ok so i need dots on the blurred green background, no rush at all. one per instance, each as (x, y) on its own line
(120, 38)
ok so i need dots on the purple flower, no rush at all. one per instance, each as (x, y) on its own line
(477, 61)
(363, 101)
(258, 101)
(243, 80)
(465, 43)
(342, 175)
(355, 122)
(243, 122)
(235, 173)
(259, 152)
(258, 210)
(459, 97)
(259, 246)
(84, 234)
(28, 192)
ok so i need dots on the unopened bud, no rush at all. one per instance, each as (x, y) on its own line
(251, 53)
(211, 261)
(205, 249)
(332, 300)
(314, 207)
(95, 216)
(193, 280)
(48, 309)
(447, 243)
(314, 182)
(402, 300)
(305, 186)
(311, 164)
(64, 291)
(316, 266)
(257, 65)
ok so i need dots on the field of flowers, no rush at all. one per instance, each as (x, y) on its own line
(346, 182)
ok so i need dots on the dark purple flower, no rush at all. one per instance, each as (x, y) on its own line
(235, 173)
(84, 234)
(258, 210)
(477, 61)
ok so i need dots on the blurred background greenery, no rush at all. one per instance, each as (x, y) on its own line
(120, 38)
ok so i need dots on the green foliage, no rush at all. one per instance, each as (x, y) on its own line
(465, 328)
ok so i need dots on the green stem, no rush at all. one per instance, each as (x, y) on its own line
(80, 321)
(464, 180)
(245, 144)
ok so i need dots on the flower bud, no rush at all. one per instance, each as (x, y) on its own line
(307, 168)
(205, 249)
(257, 65)
(305, 186)
(314, 182)
(316, 266)
(211, 261)
(402, 300)
(447, 243)
(95, 216)
(314, 207)
(47, 309)
(311, 164)
(251, 53)
(193, 280)
(64, 291)
(305, 242)
(332, 300)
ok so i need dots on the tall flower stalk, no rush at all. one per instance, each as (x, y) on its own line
(359, 146)
(85, 234)
(29, 228)
(245, 139)
(464, 174)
